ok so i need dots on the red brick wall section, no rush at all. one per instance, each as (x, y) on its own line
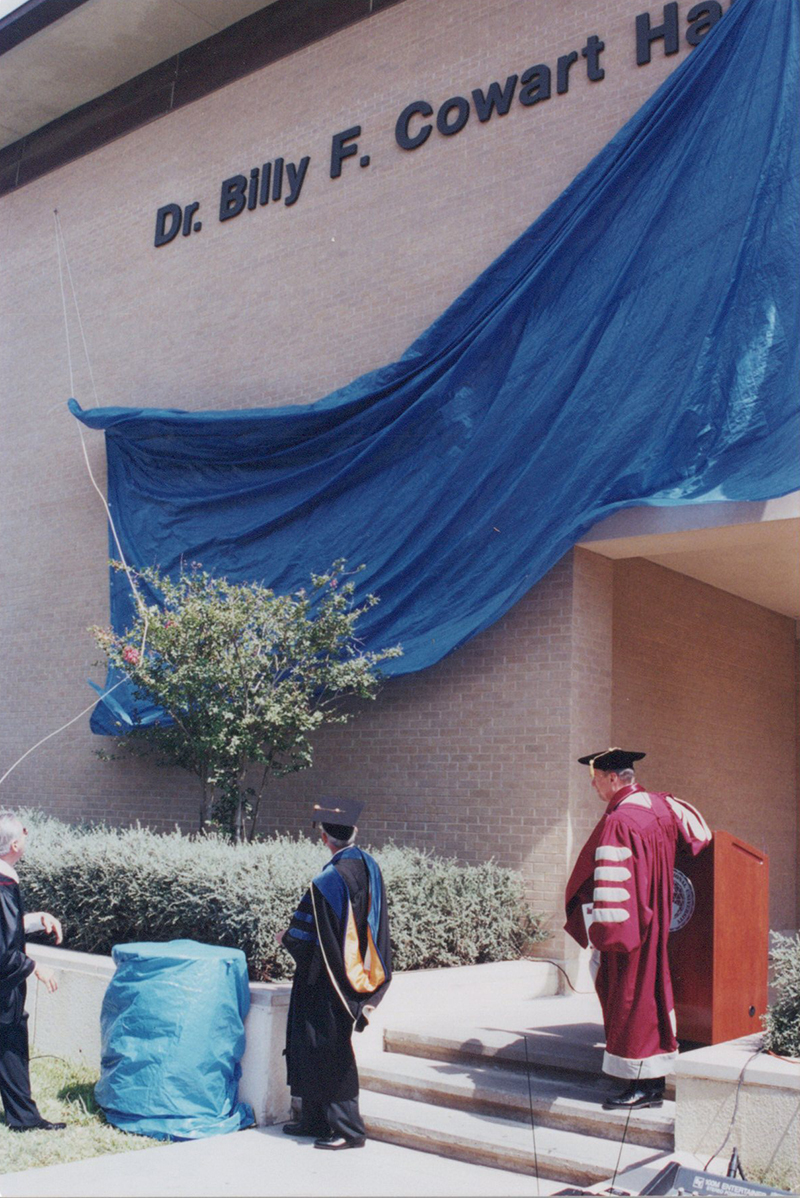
(705, 682)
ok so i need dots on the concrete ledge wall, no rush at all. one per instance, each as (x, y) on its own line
(67, 1024)
(724, 1089)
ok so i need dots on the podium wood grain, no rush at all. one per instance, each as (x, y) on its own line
(719, 960)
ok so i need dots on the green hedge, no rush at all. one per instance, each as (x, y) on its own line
(110, 886)
(782, 1020)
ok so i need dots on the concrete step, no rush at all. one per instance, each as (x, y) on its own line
(564, 1156)
(495, 1044)
(572, 1050)
(568, 1101)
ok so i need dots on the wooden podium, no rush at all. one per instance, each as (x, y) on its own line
(719, 957)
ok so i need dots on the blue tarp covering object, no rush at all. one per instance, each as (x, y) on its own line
(172, 1027)
(638, 344)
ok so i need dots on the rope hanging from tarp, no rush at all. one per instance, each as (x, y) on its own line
(112, 685)
(638, 344)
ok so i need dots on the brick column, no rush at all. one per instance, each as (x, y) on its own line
(586, 725)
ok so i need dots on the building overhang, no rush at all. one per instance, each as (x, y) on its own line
(76, 74)
(748, 549)
(60, 54)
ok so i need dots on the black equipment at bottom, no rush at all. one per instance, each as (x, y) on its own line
(675, 1179)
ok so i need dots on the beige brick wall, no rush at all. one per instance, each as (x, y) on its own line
(591, 683)
(474, 757)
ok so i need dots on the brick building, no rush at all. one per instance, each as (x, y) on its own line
(668, 630)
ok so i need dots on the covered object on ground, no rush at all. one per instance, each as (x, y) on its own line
(173, 1036)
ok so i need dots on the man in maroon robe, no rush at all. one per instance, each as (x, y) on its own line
(619, 901)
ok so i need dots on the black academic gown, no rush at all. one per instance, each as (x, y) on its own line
(339, 938)
(15, 966)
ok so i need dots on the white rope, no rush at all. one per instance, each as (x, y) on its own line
(61, 729)
(60, 234)
(139, 601)
(60, 243)
(64, 305)
(137, 596)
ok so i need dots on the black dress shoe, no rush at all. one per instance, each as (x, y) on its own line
(298, 1128)
(648, 1092)
(42, 1125)
(335, 1143)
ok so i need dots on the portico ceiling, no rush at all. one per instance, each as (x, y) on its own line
(748, 549)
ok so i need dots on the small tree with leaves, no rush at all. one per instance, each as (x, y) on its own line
(245, 677)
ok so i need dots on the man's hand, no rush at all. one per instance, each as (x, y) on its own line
(52, 926)
(279, 936)
(43, 921)
(47, 978)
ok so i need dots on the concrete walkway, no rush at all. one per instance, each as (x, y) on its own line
(264, 1163)
(267, 1164)
(489, 1005)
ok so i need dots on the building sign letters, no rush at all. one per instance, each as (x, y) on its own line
(282, 179)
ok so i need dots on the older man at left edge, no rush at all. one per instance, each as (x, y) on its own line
(22, 1113)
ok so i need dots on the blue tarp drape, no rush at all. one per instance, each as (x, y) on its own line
(636, 345)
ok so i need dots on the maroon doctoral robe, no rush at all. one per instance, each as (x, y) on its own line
(619, 900)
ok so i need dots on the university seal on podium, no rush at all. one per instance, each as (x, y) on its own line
(683, 901)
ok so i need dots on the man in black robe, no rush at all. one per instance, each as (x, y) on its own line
(22, 1114)
(339, 939)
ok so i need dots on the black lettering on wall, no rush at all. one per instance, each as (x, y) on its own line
(591, 52)
(232, 197)
(188, 213)
(266, 178)
(164, 234)
(562, 71)
(455, 104)
(645, 34)
(252, 193)
(414, 126)
(295, 177)
(701, 18)
(401, 134)
(277, 180)
(536, 87)
(340, 150)
(494, 99)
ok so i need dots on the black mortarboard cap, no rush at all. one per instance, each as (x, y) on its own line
(343, 813)
(611, 760)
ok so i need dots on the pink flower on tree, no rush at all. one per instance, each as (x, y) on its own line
(130, 655)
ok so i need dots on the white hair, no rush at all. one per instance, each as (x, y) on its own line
(10, 830)
(627, 775)
(341, 844)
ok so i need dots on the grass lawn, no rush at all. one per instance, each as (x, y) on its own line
(64, 1093)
